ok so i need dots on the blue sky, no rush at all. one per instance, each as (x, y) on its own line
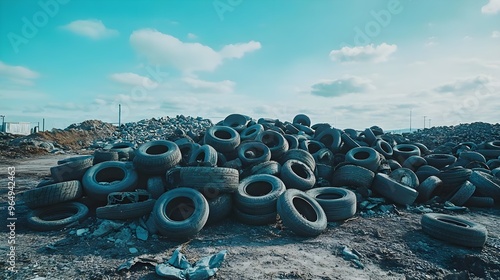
(349, 63)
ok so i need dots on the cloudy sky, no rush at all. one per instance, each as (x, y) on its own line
(349, 63)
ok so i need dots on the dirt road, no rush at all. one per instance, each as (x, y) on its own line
(391, 246)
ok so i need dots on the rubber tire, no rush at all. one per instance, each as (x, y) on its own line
(311, 146)
(211, 181)
(302, 119)
(304, 180)
(35, 218)
(440, 160)
(257, 194)
(489, 154)
(472, 156)
(480, 202)
(269, 167)
(52, 194)
(493, 145)
(300, 155)
(251, 132)
(220, 208)
(71, 170)
(275, 141)
(324, 171)
(406, 177)
(453, 177)
(323, 156)
(331, 138)
(427, 187)
(352, 175)
(403, 151)
(99, 193)
(265, 153)
(125, 150)
(156, 186)
(205, 155)
(338, 203)
(454, 230)
(370, 136)
(156, 157)
(186, 150)
(349, 143)
(237, 122)
(463, 194)
(103, 155)
(414, 163)
(293, 142)
(299, 218)
(393, 190)
(127, 211)
(486, 184)
(255, 220)
(74, 159)
(366, 157)
(227, 144)
(384, 148)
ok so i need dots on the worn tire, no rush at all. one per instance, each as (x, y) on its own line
(251, 132)
(224, 139)
(366, 157)
(464, 192)
(211, 181)
(156, 186)
(311, 146)
(393, 190)
(204, 155)
(453, 177)
(302, 119)
(406, 177)
(237, 122)
(104, 155)
(297, 175)
(331, 138)
(480, 202)
(252, 153)
(472, 156)
(440, 160)
(125, 150)
(486, 184)
(125, 211)
(454, 230)
(109, 171)
(257, 194)
(403, 151)
(220, 207)
(384, 148)
(71, 169)
(300, 155)
(255, 220)
(338, 203)
(414, 163)
(269, 167)
(301, 213)
(427, 187)
(156, 157)
(57, 216)
(181, 213)
(352, 175)
(275, 141)
(52, 194)
(293, 141)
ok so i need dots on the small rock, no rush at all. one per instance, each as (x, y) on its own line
(141, 233)
(82, 231)
(133, 250)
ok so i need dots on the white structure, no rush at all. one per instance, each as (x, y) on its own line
(19, 128)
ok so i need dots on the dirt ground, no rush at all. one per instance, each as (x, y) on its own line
(391, 246)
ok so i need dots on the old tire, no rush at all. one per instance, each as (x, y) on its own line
(338, 203)
(156, 157)
(297, 175)
(440, 160)
(52, 194)
(204, 155)
(250, 133)
(71, 169)
(180, 213)
(211, 181)
(257, 194)
(463, 194)
(104, 155)
(393, 190)
(366, 157)
(403, 151)
(406, 177)
(57, 216)
(383, 148)
(275, 141)
(352, 175)
(220, 207)
(156, 186)
(480, 202)
(486, 184)
(302, 119)
(300, 155)
(427, 187)
(269, 167)
(125, 211)
(224, 139)
(255, 220)
(252, 153)
(301, 213)
(454, 230)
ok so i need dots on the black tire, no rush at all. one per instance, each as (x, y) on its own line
(125, 150)
(204, 155)
(293, 142)
(414, 163)
(211, 181)
(103, 155)
(220, 208)
(71, 170)
(257, 194)
(452, 178)
(57, 216)
(45, 182)
(393, 164)
(440, 160)
(423, 148)
(269, 167)
(181, 213)
(489, 154)
(338, 203)
(331, 138)
(52, 194)
(324, 171)
(297, 175)
(311, 146)
(403, 151)
(73, 159)
(255, 220)
(156, 186)
(472, 156)
(301, 213)
(486, 184)
(349, 143)
(306, 129)
(352, 175)
(251, 132)
(275, 141)
(237, 122)
(454, 230)
(370, 136)
(427, 187)
(383, 148)
(224, 139)
(156, 157)
(125, 211)
(291, 129)
(323, 156)
(117, 177)
(302, 119)
(493, 145)
(480, 202)
(300, 155)
(493, 163)
(463, 194)
(426, 171)
(187, 148)
(393, 190)
(406, 177)
(252, 153)
(364, 156)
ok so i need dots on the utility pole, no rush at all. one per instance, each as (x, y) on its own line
(429, 123)
(410, 120)
(424, 121)
(119, 115)
(3, 122)
(43, 124)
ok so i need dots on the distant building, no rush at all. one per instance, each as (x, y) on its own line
(19, 128)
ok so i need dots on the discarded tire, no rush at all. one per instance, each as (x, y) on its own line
(103, 155)
(156, 186)
(414, 163)
(57, 216)
(220, 207)
(352, 175)
(338, 203)
(365, 157)
(257, 194)
(454, 230)
(394, 190)
(463, 194)
(181, 213)
(251, 132)
(269, 167)
(302, 119)
(383, 148)
(406, 177)
(331, 138)
(125, 150)
(275, 141)
(156, 157)
(301, 213)
(107, 177)
(300, 155)
(403, 151)
(126, 211)
(297, 175)
(211, 181)
(427, 187)
(237, 122)
(52, 194)
(480, 201)
(204, 155)
(440, 160)
(222, 138)
(486, 184)
(255, 220)
(251, 153)
(72, 169)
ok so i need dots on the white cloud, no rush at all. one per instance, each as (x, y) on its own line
(342, 86)
(492, 7)
(91, 28)
(18, 74)
(370, 52)
(495, 34)
(134, 80)
(192, 36)
(165, 49)
(198, 85)
(431, 41)
(467, 85)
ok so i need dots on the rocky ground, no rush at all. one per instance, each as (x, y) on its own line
(389, 243)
